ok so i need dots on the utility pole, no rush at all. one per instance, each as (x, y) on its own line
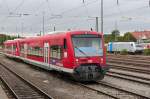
(102, 16)
(54, 28)
(96, 24)
(22, 28)
(40, 33)
(43, 23)
(16, 29)
(116, 25)
(116, 28)
(83, 1)
(117, 2)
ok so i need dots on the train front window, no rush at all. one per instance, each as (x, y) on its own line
(87, 45)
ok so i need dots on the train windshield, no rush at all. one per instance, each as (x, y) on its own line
(87, 45)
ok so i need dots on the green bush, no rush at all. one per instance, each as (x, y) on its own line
(124, 52)
(146, 51)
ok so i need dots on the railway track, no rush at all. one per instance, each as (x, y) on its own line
(20, 88)
(129, 59)
(98, 91)
(128, 77)
(129, 68)
(113, 91)
(123, 91)
(139, 57)
(130, 62)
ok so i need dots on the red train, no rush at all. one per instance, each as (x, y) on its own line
(79, 53)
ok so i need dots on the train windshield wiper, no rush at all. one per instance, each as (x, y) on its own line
(81, 51)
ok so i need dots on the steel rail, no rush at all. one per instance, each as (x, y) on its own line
(128, 59)
(98, 91)
(121, 89)
(135, 63)
(129, 79)
(28, 83)
(138, 77)
(130, 56)
(129, 68)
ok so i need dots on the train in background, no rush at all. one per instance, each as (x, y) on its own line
(130, 47)
(79, 53)
(145, 45)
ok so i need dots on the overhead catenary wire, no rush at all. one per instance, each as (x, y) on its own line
(13, 11)
(5, 1)
(104, 15)
(19, 6)
(75, 8)
(72, 9)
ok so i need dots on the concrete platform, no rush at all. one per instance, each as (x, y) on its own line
(2, 93)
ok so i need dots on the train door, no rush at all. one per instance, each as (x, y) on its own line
(46, 53)
(25, 50)
(12, 49)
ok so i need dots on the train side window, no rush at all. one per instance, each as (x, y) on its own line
(8, 47)
(14, 47)
(65, 44)
(56, 51)
(36, 50)
(22, 48)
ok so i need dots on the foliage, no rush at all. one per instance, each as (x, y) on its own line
(115, 33)
(129, 38)
(124, 52)
(120, 39)
(107, 38)
(111, 37)
(3, 38)
(146, 51)
(114, 36)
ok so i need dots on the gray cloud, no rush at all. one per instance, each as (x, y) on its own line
(17, 16)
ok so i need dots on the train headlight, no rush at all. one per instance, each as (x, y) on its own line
(102, 60)
(90, 61)
(77, 60)
(65, 54)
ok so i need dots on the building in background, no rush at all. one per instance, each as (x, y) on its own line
(142, 36)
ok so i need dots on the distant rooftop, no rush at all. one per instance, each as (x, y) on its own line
(141, 34)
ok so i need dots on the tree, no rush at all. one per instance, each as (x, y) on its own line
(120, 39)
(129, 37)
(107, 38)
(4, 37)
(115, 34)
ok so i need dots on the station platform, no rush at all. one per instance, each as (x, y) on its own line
(2, 93)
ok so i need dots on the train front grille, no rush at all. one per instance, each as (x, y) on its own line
(88, 72)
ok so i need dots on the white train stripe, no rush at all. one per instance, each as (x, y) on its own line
(43, 65)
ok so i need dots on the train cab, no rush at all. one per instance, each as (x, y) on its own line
(89, 60)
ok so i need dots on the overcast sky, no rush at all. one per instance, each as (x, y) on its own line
(25, 17)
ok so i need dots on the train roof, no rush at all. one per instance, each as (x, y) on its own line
(52, 35)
